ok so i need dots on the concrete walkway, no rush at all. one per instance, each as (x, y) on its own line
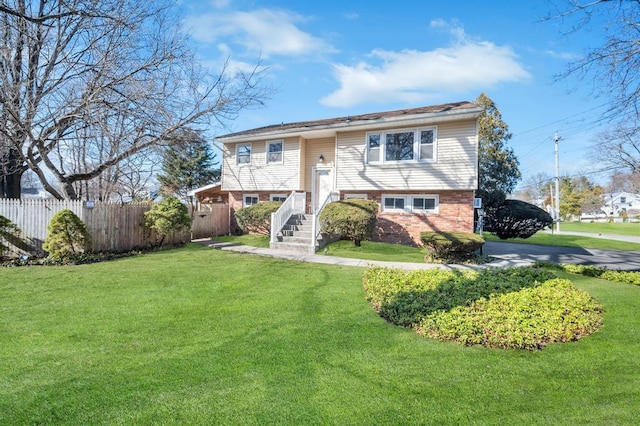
(506, 254)
(507, 261)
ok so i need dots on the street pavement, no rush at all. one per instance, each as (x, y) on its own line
(506, 254)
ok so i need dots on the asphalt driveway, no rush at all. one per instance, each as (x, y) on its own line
(612, 259)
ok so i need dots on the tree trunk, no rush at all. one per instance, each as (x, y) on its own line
(10, 186)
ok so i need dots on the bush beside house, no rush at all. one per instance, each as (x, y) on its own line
(350, 219)
(256, 219)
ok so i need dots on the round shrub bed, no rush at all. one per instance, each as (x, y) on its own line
(521, 308)
(531, 318)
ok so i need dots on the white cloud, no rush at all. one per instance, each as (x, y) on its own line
(415, 76)
(567, 56)
(263, 31)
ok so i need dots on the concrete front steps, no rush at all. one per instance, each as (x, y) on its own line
(296, 235)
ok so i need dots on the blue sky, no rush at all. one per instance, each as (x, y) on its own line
(334, 58)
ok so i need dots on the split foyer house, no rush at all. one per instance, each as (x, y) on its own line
(420, 165)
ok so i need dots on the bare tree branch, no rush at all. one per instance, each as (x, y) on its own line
(87, 84)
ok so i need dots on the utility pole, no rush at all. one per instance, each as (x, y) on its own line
(556, 138)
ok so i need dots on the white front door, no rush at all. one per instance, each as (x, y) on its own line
(323, 186)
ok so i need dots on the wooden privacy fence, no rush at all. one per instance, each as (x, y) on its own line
(112, 226)
(214, 221)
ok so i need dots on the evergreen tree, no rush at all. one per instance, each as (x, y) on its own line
(498, 172)
(187, 163)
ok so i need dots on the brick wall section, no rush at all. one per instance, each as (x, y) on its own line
(455, 213)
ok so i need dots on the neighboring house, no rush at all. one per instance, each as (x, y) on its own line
(621, 203)
(419, 164)
(34, 194)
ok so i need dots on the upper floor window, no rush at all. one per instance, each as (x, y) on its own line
(623, 199)
(402, 145)
(373, 147)
(243, 154)
(274, 152)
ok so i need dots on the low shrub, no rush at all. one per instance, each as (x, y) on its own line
(9, 231)
(522, 308)
(450, 246)
(527, 319)
(406, 297)
(628, 277)
(256, 219)
(66, 235)
(167, 216)
(516, 219)
(350, 219)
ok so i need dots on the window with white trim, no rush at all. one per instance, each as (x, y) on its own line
(274, 151)
(393, 203)
(402, 145)
(373, 148)
(355, 196)
(278, 197)
(243, 154)
(250, 200)
(423, 204)
(412, 203)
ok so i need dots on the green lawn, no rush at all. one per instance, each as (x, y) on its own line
(246, 240)
(370, 250)
(201, 336)
(602, 228)
(548, 239)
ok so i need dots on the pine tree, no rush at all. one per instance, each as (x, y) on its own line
(187, 163)
(498, 172)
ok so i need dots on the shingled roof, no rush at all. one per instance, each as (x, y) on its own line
(455, 107)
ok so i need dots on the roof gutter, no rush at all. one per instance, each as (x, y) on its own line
(350, 125)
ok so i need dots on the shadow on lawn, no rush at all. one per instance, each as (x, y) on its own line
(455, 288)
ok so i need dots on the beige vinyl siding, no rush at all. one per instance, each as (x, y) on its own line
(455, 168)
(314, 148)
(258, 175)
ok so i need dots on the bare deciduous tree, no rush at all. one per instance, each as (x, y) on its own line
(614, 65)
(618, 149)
(86, 84)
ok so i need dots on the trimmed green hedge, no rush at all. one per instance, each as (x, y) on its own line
(256, 219)
(350, 219)
(523, 308)
(450, 246)
(628, 277)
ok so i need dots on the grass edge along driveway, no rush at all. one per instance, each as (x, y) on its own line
(201, 336)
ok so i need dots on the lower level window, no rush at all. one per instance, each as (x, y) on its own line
(410, 203)
(355, 196)
(394, 203)
(424, 204)
(278, 197)
(249, 200)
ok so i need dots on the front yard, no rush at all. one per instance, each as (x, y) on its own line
(201, 336)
